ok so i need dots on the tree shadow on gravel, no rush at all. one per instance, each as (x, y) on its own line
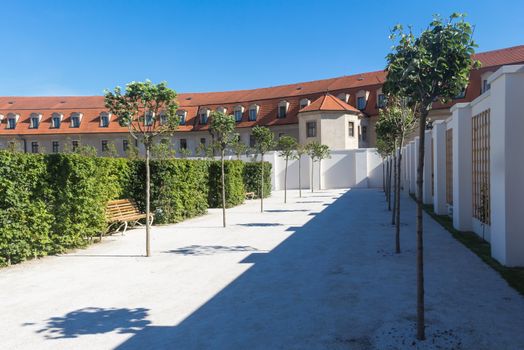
(196, 250)
(95, 320)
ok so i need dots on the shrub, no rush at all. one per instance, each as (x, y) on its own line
(235, 192)
(252, 176)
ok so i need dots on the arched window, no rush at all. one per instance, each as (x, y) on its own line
(304, 103)
(76, 119)
(104, 119)
(253, 112)
(12, 120)
(56, 120)
(282, 109)
(34, 120)
(362, 99)
(239, 111)
(181, 116)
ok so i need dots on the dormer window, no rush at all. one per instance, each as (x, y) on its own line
(484, 80)
(282, 109)
(343, 97)
(304, 103)
(204, 115)
(239, 110)
(222, 110)
(163, 118)
(56, 120)
(104, 119)
(362, 98)
(34, 120)
(253, 112)
(381, 101)
(181, 116)
(12, 119)
(149, 118)
(76, 119)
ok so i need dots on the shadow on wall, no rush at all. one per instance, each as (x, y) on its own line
(93, 320)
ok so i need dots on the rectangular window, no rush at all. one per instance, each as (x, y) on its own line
(351, 129)
(11, 123)
(311, 128)
(238, 116)
(364, 133)
(203, 118)
(361, 102)
(163, 119)
(149, 119)
(104, 121)
(182, 118)
(252, 114)
(56, 147)
(252, 141)
(74, 145)
(381, 102)
(183, 144)
(485, 86)
(34, 123)
(34, 147)
(282, 111)
(55, 122)
(75, 122)
(281, 134)
(104, 146)
(203, 140)
(125, 145)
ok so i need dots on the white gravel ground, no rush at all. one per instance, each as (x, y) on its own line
(316, 273)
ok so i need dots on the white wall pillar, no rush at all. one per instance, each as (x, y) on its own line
(439, 167)
(462, 188)
(361, 168)
(507, 165)
(427, 196)
(414, 163)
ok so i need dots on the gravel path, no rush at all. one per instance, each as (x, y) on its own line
(316, 273)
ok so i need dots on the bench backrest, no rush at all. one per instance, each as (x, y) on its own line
(121, 208)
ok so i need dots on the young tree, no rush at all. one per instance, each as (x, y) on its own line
(222, 129)
(204, 151)
(432, 67)
(264, 142)
(184, 152)
(148, 110)
(162, 151)
(286, 146)
(299, 152)
(239, 148)
(317, 152)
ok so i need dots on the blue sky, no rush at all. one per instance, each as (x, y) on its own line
(82, 47)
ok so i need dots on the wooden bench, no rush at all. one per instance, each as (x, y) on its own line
(123, 212)
(250, 195)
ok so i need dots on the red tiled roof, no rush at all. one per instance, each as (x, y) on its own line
(266, 98)
(328, 102)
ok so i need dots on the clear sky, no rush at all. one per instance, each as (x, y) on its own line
(81, 47)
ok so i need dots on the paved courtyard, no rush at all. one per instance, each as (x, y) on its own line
(316, 273)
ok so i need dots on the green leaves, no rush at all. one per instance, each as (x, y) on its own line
(317, 151)
(287, 146)
(223, 130)
(434, 66)
(264, 139)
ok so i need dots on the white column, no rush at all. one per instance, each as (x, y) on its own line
(439, 167)
(414, 163)
(462, 189)
(507, 165)
(427, 196)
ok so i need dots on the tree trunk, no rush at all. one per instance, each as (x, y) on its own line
(420, 242)
(312, 179)
(148, 201)
(223, 190)
(262, 183)
(299, 178)
(397, 194)
(285, 182)
(393, 216)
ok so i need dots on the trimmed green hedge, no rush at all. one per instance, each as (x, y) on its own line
(252, 177)
(235, 193)
(51, 203)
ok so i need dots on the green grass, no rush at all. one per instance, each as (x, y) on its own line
(513, 275)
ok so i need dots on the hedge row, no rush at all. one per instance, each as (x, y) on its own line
(51, 203)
